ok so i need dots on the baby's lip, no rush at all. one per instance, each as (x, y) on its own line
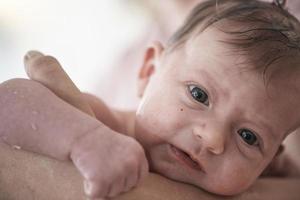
(195, 165)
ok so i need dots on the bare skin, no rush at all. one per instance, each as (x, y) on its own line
(23, 176)
(45, 119)
(56, 168)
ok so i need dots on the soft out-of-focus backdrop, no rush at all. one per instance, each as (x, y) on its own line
(85, 35)
(97, 42)
(100, 43)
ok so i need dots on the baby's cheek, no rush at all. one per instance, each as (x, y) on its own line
(157, 124)
(234, 181)
(170, 120)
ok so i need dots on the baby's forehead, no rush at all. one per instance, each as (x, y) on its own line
(210, 48)
(207, 57)
(251, 44)
(268, 58)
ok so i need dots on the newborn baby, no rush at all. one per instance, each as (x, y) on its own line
(216, 103)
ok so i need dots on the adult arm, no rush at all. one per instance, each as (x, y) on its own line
(25, 175)
(33, 117)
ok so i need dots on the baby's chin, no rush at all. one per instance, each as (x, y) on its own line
(217, 188)
(208, 182)
(226, 189)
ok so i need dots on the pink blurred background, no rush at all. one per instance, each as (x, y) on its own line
(99, 43)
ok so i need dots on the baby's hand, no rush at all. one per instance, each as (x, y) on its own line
(110, 163)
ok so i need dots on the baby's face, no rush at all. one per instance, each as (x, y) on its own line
(200, 102)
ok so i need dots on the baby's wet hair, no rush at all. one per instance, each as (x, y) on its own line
(264, 32)
(279, 3)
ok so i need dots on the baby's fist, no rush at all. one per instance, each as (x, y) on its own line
(110, 163)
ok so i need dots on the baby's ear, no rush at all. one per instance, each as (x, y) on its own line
(149, 66)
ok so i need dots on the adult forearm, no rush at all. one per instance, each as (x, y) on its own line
(36, 120)
(26, 175)
(31, 176)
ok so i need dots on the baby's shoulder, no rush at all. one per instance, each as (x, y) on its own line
(128, 120)
(120, 121)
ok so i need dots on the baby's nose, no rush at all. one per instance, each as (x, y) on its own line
(212, 139)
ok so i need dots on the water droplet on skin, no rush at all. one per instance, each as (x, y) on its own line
(16, 147)
(33, 126)
(34, 112)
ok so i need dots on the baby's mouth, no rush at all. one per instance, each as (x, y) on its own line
(186, 159)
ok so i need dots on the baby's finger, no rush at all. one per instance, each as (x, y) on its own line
(117, 188)
(135, 178)
(48, 71)
(130, 182)
(94, 190)
(144, 170)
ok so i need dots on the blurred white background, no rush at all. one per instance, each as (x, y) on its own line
(85, 35)
(100, 43)
(89, 38)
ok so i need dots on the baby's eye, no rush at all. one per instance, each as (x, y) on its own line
(198, 94)
(249, 137)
